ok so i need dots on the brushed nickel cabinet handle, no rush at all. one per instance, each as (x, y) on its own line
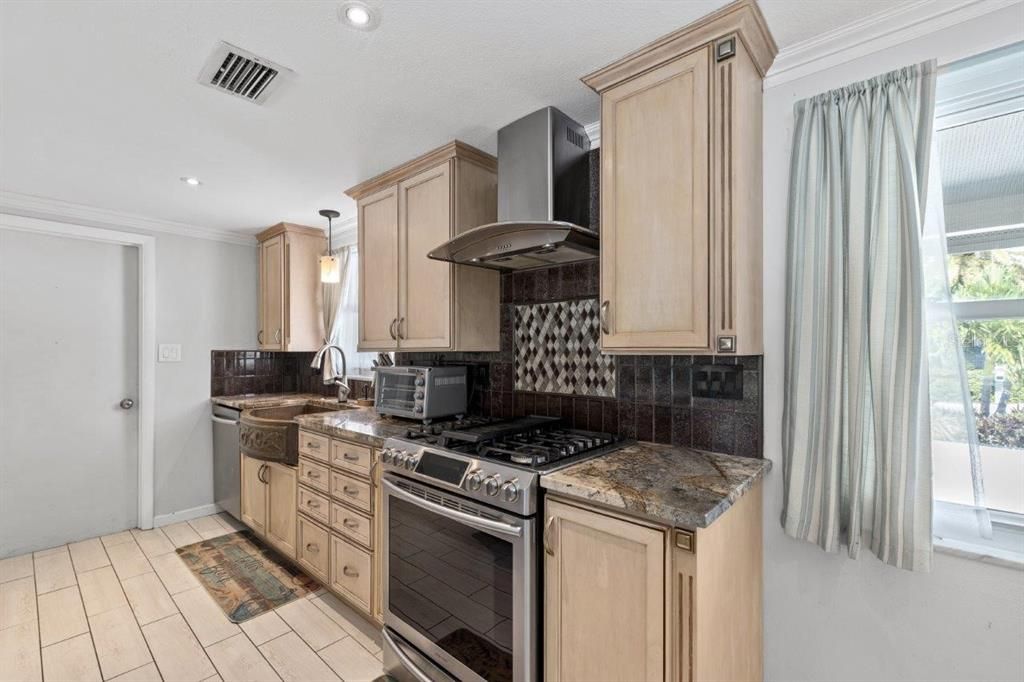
(391, 329)
(259, 473)
(351, 492)
(259, 337)
(313, 503)
(604, 317)
(313, 446)
(312, 547)
(350, 457)
(401, 322)
(277, 335)
(548, 548)
(313, 474)
(350, 572)
(349, 523)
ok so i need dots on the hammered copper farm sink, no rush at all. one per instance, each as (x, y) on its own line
(272, 434)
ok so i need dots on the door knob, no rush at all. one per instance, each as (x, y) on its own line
(127, 404)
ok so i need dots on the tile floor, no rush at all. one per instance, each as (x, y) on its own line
(125, 607)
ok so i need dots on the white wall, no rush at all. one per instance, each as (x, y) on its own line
(206, 299)
(828, 617)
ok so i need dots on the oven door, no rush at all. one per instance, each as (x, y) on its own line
(460, 582)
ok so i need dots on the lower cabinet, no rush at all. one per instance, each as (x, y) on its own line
(351, 572)
(269, 501)
(628, 600)
(338, 501)
(281, 515)
(603, 597)
(254, 494)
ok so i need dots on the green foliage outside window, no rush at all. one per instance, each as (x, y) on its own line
(991, 275)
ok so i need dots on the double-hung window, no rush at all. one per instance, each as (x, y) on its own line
(980, 145)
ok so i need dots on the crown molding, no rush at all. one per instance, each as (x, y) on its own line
(53, 209)
(899, 24)
(593, 131)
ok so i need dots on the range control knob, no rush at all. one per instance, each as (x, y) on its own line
(386, 455)
(510, 491)
(399, 458)
(418, 409)
(420, 381)
(492, 484)
(411, 462)
(474, 480)
(419, 395)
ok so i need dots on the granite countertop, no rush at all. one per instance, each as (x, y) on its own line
(664, 483)
(361, 424)
(251, 401)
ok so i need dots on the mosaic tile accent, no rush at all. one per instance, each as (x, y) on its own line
(557, 350)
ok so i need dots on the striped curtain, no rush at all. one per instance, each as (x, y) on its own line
(856, 444)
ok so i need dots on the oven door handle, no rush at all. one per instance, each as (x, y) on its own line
(475, 521)
(407, 663)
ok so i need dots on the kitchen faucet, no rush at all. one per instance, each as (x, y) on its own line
(318, 359)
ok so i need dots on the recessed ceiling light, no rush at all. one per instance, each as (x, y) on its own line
(358, 15)
(191, 182)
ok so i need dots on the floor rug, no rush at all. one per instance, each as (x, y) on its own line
(245, 577)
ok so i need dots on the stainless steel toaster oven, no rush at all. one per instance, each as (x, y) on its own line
(424, 393)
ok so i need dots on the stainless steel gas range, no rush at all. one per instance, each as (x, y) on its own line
(462, 554)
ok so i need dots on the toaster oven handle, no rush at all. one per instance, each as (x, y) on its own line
(477, 522)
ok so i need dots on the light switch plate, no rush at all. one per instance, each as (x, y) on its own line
(169, 352)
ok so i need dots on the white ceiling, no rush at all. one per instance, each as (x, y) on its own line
(99, 103)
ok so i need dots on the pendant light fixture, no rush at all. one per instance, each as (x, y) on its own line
(330, 266)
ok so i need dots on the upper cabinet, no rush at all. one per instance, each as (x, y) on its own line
(681, 189)
(290, 294)
(406, 300)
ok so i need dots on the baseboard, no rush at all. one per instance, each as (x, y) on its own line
(185, 515)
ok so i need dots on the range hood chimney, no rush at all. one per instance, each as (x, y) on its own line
(543, 199)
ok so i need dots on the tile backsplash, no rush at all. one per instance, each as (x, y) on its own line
(236, 372)
(557, 349)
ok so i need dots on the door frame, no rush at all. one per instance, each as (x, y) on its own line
(146, 246)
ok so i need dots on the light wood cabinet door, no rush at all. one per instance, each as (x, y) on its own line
(655, 250)
(425, 285)
(272, 293)
(378, 270)
(254, 494)
(604, 611)
(281, 507)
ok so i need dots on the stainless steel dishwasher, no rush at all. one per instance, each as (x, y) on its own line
(226, 476)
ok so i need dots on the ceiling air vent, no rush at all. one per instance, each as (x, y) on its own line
(238, 72)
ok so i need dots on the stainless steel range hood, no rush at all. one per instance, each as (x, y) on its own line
(543, 199)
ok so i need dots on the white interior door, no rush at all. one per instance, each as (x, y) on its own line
(68, 357)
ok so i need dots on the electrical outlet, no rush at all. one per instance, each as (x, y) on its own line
(718, 381)
(169, 352)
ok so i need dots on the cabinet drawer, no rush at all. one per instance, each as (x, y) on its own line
(314, 445)
(351, 490)
(355, 458)
(355, 526)
(314, 504)
(314, 475)
(314, 548)
(351, 572)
